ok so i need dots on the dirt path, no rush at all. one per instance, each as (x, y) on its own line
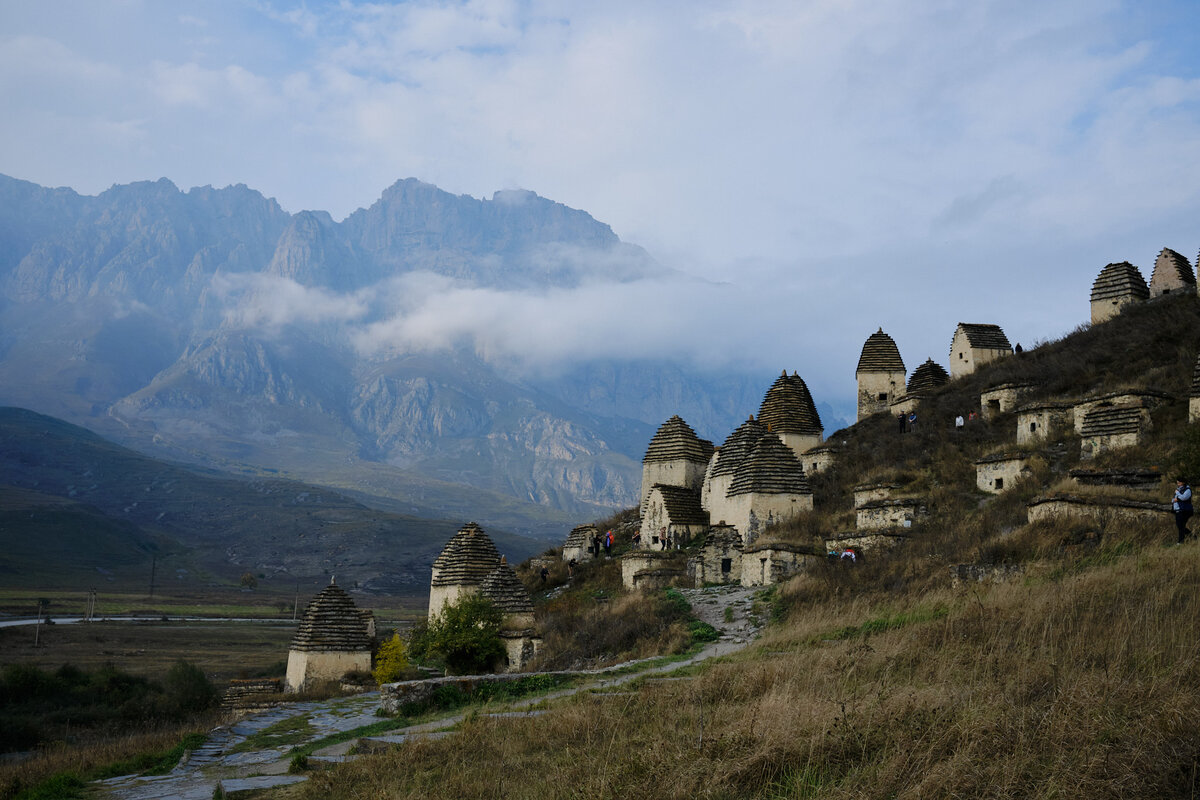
(728, 609)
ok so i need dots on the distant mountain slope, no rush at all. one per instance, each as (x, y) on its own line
(70, 498)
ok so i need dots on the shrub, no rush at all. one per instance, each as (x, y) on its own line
(391, 661)
(465, 635)
(188, 689)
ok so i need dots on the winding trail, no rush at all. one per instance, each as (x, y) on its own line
(215, 762)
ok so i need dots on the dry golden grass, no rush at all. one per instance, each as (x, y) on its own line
(1083, 686)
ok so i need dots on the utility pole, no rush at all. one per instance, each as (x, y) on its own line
(37, 631)
(153, 565)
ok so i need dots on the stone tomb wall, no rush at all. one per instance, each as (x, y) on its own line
(1041, 422)
(304, 668)
(1098, 510)
(640, 561)
(999, 474)
(877, 390)
(869, 493)
(865, 542)
(817, 459)
(671, 473)
(752, 514)
(770, 564)
(1001, 399)
(887, 514)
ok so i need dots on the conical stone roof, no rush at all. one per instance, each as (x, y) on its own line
(466, 559)
(880, 354)
(682, 504)
(788, 407)
(771, 468)
(1175, 268)
(737, 446)
(504, 590)
(1111, 421)
(332, 622)
(1121, 279)
(929, 375)
(676, 441)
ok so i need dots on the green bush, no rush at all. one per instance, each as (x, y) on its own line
(188, 690)
(465, 635)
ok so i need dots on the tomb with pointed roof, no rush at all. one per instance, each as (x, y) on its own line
(925, 379)
(725, 462)
(1118, 285)
(1172, 274)
(676, 456)
(769, 487)
(334, 637)
(975, 344)
(880, 374)
(468, 558)
(788, 411)
(504, 590)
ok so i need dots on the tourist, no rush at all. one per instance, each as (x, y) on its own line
(608, 543)
(972, 417)
(900, 418)
(958, 423)
(1181, 504)
(912, 421)
(545, 573)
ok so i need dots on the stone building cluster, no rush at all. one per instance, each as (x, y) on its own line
(1121, 284)
(471, 564)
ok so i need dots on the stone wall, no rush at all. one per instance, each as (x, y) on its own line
(1142, 480)
(888, 514)
(306, 668)
(671, 473)
(1098, 510)
(817, 459)
(763, 566)
(799, 443)
(1001, 399)
(441, 596)
(714, 564)
(642, 560)
(752, 514)
(1046, 421)
(1193, 409)
(1000, 473)
(868, 493)
(877, 390)
(519, 649)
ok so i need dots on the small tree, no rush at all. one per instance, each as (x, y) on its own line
(391, 661)
(466, 635)
(248, 580)
(188, 689)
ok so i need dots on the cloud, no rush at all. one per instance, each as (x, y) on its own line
(271, 303)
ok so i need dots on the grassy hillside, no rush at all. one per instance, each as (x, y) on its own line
(1076, 677)
(75, 505)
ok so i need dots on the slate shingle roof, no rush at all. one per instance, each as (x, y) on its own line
(1175, 269)
(505, 591)
(674, 441)
(332, 622)
(771, 468)
(1121, 279)
(581, 536)
(788, 407)
(737, 446)
(929, 375)
(466, 559)
(1195, 392)
(1112, 421)
(880, 354)
(984, 336)
(682, 505)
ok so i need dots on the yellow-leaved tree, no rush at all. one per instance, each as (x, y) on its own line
(391, 661)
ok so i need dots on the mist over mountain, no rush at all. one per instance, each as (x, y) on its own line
(437, 350)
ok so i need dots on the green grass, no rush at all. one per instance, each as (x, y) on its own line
(885, 623)
(374, 729)
(292, 730)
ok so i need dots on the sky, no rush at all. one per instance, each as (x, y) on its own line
(811, 170)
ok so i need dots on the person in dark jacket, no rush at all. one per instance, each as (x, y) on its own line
(1181, 504)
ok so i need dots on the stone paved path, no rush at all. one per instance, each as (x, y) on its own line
(196, 776)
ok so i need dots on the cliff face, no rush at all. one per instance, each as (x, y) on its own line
(127, 312)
